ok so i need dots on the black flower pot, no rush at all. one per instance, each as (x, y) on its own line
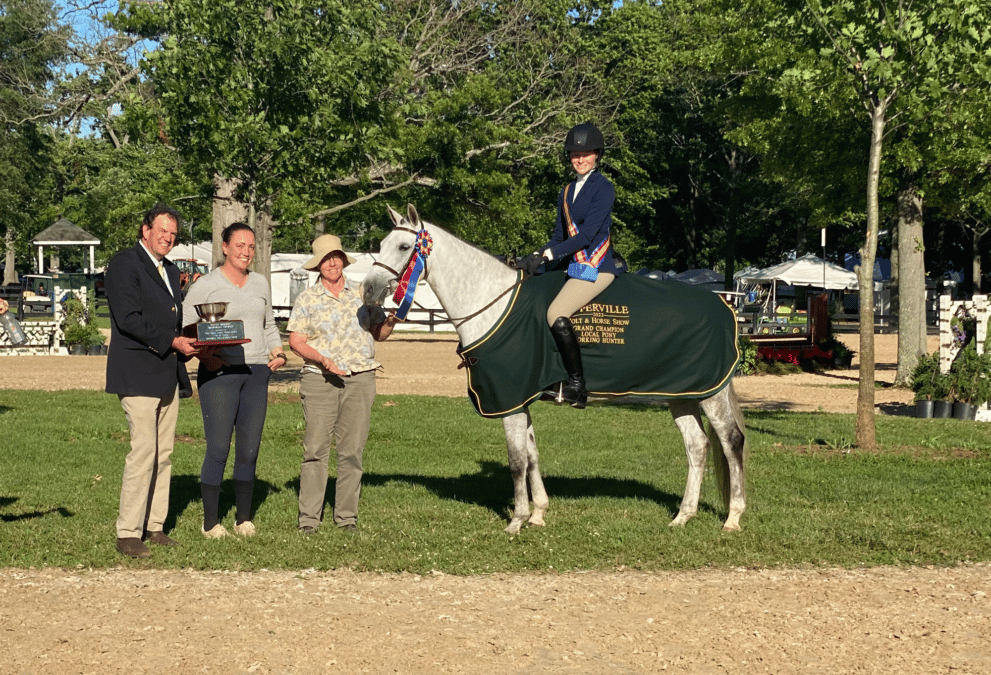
(942, 409)
(964, 411)
(94, 350)
(77, 350)
(924, 409)
(843, 362)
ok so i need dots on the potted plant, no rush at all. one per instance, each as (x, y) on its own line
(81, 335)
(77, 338)
(840, 355)
(970, 381)
(94, 340)
(929, 384)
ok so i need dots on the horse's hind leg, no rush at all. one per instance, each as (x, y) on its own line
(726, 420)
(689, 423)
(524, 466)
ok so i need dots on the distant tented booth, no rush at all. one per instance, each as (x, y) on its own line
(809, 270)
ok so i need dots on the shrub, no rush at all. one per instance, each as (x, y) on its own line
(748, 356)
(928, 382)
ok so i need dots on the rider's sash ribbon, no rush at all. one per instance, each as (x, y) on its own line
(585, 266)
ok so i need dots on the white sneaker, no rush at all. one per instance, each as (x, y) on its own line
(215, 532)
(245, 529)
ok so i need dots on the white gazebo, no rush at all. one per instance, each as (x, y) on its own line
(65, 233)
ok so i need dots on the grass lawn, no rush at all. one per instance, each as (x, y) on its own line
(437, 492)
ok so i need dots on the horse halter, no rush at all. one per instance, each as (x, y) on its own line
(399, 275)
(457, 322)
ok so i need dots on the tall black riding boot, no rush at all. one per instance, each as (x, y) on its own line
(573, 391)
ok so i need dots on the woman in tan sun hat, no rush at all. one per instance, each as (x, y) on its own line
(335, 335)
(324, 245)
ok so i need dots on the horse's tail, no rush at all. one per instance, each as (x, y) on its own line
(720, 465)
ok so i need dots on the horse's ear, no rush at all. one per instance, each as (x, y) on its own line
(396, 217)
(412, 216)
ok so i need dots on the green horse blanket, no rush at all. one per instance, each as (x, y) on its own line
(640, 337)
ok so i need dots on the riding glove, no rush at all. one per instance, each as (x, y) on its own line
(530, 263)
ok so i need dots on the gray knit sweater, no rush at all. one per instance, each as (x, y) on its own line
(252, 304)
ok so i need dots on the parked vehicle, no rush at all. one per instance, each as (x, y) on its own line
(189, 271)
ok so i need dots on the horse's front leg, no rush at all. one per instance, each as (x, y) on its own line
(523, 464)
(689, 423)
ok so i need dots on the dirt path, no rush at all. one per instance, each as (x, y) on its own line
(915, 621)
(888, 620)
(427, 364)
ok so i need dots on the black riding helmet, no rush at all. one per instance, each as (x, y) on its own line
(584, 137)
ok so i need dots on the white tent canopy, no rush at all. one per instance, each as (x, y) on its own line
(809, 270)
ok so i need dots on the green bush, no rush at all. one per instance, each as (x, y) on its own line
(80, 329)
(970, 375)
(928, 382)
(748, 356)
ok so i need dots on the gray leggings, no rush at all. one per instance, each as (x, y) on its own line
(575, 294)
(234, 398)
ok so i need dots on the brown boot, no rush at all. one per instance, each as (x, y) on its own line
(132, 547)
(159, 538)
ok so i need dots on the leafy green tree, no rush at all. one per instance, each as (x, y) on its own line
(32, 46)
(483, 99)
(894, 65)
(311, 110)
(694, 197)
(106, 189)
(275, 97)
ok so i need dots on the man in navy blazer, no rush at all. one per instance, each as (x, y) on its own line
(146, 371)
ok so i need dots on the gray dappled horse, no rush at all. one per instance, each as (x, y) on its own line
(471, 286)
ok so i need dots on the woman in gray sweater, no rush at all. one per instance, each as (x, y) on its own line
(233, 380)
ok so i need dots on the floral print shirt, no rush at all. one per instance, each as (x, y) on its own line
(336, 327)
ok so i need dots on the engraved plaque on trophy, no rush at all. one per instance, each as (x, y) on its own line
(213, 331)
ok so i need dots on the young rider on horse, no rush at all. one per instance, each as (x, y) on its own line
(584, 216)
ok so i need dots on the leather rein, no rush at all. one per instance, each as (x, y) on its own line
(457, 322)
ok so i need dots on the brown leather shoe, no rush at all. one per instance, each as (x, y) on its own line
(160, 539)
(132, 547)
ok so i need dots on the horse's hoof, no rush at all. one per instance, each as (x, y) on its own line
(513, 527)
(536, 522)
(731, 528)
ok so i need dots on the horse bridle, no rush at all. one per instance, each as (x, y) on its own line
(458, 322)
(399, 275)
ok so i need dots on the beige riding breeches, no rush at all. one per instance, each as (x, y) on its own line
(575, 294)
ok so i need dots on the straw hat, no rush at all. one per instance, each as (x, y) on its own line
(323, 246)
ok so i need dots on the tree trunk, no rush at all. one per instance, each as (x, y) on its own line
(976, 258)
(264, 229)
(911, 285)
(866, 424)
(10, 271)
(729, 252)
(893, 284)
(226, 211)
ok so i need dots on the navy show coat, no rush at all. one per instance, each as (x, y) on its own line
(145, 317)
(592, 214)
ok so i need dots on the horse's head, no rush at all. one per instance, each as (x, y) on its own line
(394, 253)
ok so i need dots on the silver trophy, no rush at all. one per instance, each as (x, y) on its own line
(212, 328)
